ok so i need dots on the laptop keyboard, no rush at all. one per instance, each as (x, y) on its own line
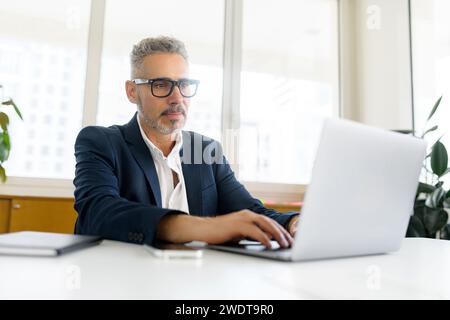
(257, 246)
(257, 249)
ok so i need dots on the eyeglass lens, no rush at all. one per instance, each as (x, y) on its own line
(163, 88)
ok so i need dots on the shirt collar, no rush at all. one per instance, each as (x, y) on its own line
(155, 150)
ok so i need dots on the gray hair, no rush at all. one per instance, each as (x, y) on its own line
(148, 46)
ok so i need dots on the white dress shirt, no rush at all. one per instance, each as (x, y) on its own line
(171, 197)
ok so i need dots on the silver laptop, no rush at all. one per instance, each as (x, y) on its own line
(360, 198)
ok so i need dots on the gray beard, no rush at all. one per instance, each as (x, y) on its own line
(154, 124)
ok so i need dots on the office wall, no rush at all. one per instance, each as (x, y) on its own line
(375, 63)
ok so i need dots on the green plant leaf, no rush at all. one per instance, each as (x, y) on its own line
(5, 146)
(425, 188)
(439, 159)
(446, 203)
(445, 232)
(4, 150)
(6, 141)
(436, 198)
(404, 131)
(10, 102)
(436, 105)
(416, 228)
(435, 220)
(17, 111)
(420, 209)
(439, 184)
(429, 130)
(4, 121)
(2, 174)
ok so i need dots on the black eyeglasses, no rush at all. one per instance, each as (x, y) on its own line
(162, 88)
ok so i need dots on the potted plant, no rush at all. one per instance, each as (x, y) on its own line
(5, 142)
(430, 218)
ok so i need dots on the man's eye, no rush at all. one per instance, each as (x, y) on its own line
(184, 84)
(160, 85)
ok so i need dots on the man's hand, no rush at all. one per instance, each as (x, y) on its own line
(229, 227)
(292, 226)
(247, 224)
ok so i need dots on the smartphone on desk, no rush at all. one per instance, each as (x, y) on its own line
(175, 251)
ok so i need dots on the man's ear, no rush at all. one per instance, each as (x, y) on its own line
(131, 90)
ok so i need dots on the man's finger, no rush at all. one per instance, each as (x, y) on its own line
(270, 227)
(287, 234)
(255, 233)
(269, 235)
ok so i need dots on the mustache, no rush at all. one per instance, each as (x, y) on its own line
(174, 109)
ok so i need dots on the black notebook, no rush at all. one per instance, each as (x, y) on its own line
(43, 243)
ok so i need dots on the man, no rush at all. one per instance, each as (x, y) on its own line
(144, 181)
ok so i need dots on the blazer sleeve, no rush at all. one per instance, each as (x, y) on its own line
(101, 209)
(233, 196)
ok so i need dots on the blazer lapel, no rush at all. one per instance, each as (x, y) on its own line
(192, 176)
(143, 156)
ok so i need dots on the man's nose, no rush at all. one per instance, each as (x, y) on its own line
(176, 95)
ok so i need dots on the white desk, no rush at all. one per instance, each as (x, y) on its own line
(116, 270)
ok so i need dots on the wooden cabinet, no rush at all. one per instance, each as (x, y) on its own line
(284, 207)
(5, 207)
(37, 214)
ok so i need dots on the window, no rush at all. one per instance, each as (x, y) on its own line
(289, 83)
(42, 66)
(204, 41)
(288, 77)
(431, 65)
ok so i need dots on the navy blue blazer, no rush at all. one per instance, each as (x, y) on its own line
(117, 194)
